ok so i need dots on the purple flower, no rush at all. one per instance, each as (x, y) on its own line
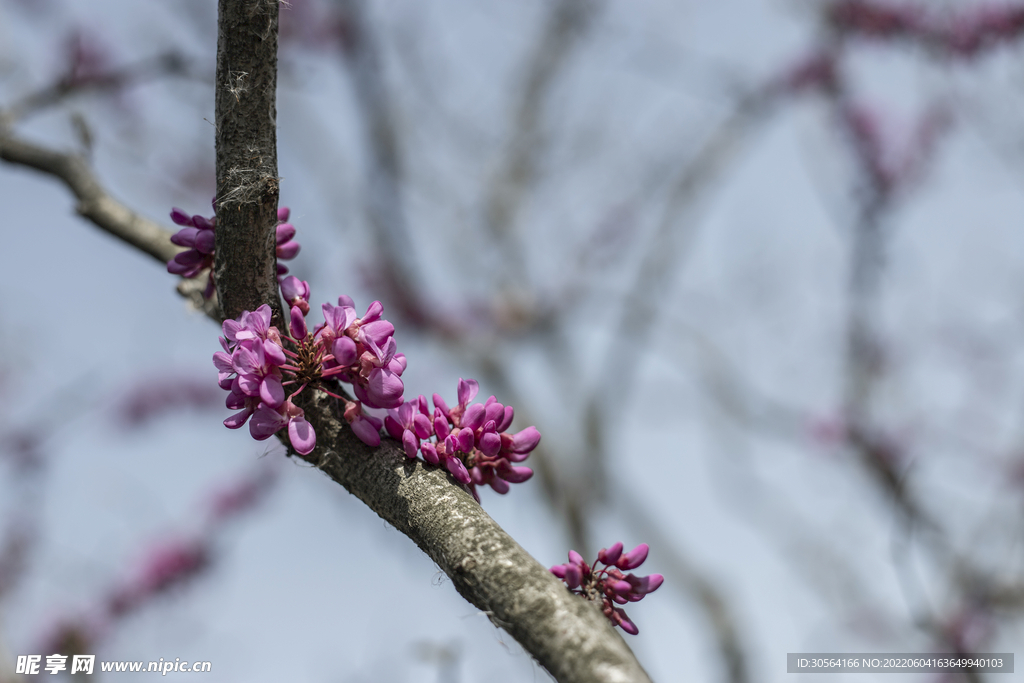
(608, 583)
(296, 293)
(468, 440)
(287, 248)
(197, 235)
(268, 421)
(366, 427)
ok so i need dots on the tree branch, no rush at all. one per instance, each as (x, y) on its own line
(245, 265)
(93, 201)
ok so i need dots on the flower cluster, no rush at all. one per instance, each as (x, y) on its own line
(609, 584)
(468, 440)
(258, 362)
(197, 234)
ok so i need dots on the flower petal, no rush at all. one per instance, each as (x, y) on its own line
(271, 391)
(366, 432)
(468, 389)
(634, 558)
(302, 436)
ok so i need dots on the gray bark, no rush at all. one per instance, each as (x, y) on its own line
(247, 182)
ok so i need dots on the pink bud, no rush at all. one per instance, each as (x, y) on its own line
(180, 217)
(610, 555)
(573, 576)
(298, 324)
(634, 558)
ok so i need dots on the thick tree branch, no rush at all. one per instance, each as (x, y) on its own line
(245, 266)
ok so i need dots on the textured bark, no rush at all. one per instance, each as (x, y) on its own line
(247, 182)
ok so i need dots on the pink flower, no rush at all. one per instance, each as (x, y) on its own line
(469, 439)
(198, 235)
(608, 583)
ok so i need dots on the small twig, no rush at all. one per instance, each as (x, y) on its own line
(94, 202)
(167, 64)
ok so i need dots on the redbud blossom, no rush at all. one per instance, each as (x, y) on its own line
(259, 365)
(609, 584)
(198, 235)
(469, 440)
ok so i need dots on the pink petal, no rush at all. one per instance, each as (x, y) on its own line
(283, 233)
(573, 576)
(344, 351)
(222, 362)
(429, 452)
(238, 419)
(373, 312)
(384, 388)
(627, 625)
(265, 423)
(302, 436)
(439, 404)
(188, 258)
(516, 475)
(526, 440)
(458, 470)
(468, 389)
(473, 418)
(648, 584)
(205, 241)
(634, 558)
(250, 384)
(394, 429)
(422, 426)
(298, 324)
(466, 440)
(366, 433)
(274, 353)
(288, 250)
(494, 411)
(506, 421)
(180, 217)
(186, 237)
(378, 331)
(610, 555)
(410, 443)
(271, 391)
